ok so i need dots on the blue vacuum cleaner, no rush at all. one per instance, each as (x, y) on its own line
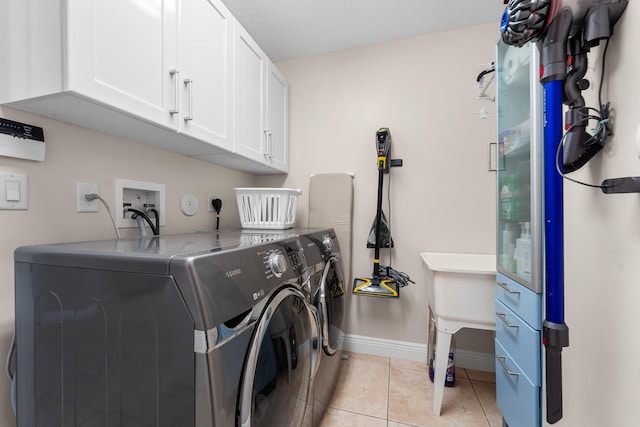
(568, 29)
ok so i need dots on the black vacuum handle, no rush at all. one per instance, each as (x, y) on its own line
(553, 361)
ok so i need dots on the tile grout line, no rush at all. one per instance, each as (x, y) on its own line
(484, 412)
(388, 391)
(355, 413)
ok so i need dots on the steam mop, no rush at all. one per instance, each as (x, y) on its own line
(385, 281)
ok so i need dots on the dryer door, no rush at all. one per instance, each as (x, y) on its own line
(331, 305)
(277, 374)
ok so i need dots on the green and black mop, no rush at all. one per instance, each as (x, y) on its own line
(386, 282)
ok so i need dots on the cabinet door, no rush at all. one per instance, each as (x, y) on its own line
(277, 119)
(119, 52)
(205, 67)
(519, 171)
(250, 71)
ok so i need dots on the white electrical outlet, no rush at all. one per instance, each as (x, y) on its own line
(82, 204)
(211, 197)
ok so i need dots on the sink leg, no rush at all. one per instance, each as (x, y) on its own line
(443, 342)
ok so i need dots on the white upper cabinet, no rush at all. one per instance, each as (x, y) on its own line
(170, 73)
(205, 83)
(250, 115)
(261, 96)
(277, 119)
(119, 52)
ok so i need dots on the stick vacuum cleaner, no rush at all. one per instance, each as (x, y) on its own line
(567, 29)
(385, 281)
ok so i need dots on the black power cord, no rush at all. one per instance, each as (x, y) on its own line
(601, 132)
(156, 214)
(217, 206)
(136, 213)
(401, 279)
(11, 374)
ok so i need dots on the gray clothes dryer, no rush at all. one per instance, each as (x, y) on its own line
(197, 330)
(322, 252)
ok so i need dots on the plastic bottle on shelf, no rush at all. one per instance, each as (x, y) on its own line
(509, 234)
(522, 193)
(522, 254)
(508, 198)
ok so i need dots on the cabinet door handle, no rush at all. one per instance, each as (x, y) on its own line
(189, 84)
(502, 317)
(489, 162)
(174, 73)
(506, 288)
(265, 150)
(268, 150)
(500, 359)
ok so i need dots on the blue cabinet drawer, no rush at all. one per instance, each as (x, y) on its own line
(520, 340)
(521, 300)
(517, 398)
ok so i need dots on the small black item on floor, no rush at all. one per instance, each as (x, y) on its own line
(385, 281)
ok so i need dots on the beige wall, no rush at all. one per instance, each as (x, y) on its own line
(424, 89)
(602, 253)
(76, 154)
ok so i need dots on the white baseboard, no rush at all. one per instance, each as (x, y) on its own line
(412, 351)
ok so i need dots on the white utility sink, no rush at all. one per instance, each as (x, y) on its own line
(461, 294)
(463, 288)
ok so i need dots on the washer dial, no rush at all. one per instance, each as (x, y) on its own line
(327, 242)
(277, 264)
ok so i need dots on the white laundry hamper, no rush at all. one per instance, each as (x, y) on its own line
(267, 208)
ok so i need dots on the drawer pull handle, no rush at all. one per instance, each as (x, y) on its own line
(502, 317)
(506, 288)
(504, 366)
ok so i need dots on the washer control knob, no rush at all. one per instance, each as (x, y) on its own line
(327, 242)
(277, 264)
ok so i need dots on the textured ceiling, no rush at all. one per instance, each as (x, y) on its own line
(288, 29)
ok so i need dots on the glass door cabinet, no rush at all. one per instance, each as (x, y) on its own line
(519, 160)
(519, 278)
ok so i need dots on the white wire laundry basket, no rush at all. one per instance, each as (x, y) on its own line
(267, 208)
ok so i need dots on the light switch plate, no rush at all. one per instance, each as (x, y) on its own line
(14, 191)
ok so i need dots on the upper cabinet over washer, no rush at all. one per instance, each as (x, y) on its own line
(205, 84)
(155, 71)
(116, 52)
(277, 119)
(261, 105)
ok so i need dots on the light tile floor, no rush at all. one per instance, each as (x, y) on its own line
(375, 391)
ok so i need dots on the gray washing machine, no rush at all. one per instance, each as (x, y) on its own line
(197, 330)
(322, 252)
